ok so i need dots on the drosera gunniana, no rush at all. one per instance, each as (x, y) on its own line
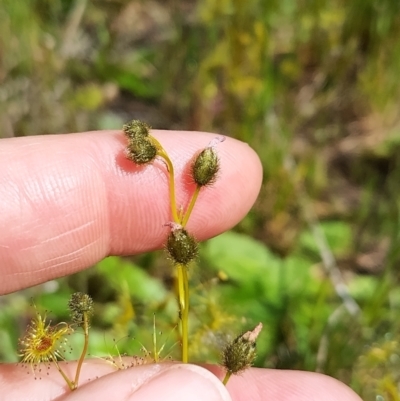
(45, 343)
(181, 245)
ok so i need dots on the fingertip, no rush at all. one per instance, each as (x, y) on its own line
(285, 385)
(169, 382)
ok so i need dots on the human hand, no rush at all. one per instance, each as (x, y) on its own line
(70, 200)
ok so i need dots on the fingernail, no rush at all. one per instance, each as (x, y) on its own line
(181, 382)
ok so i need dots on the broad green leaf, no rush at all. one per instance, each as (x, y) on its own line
(338, 235)
(242, 258)
(141, 285)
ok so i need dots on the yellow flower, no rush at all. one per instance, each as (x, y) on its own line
(42, 342)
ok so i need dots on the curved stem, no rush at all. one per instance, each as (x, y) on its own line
(171, 179)
(183, 298)
(191, 206)
(85, 347)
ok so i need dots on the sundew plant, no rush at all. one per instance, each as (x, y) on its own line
(45, 343)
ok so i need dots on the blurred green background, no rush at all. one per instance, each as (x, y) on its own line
(313, 87)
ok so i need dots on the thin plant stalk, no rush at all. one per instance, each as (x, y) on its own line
(191, 205)
(70, 383)
(155, 352)
(183, 297)
(171, 179)
(228, 375)
(85, 326)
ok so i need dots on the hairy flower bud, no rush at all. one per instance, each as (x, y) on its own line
(142, 150)
(181, 246)
(239, 354)
(135, 129)
(206, 164)
(80, 304)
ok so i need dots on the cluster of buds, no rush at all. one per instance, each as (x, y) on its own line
(181, 246)
(142, 148)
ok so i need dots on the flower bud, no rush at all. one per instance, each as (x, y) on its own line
(206, 165)
(80, 304)
(239, 355)
(141, 150)
(135, 129)
(181, 246)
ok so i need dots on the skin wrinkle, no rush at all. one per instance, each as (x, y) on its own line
(70, 257)
(69, 232)
(16, 274)
(66, 257)
(78, 253)
(68, 262)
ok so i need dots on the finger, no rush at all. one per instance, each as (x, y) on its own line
(284, 385)
(177, 382)
(70, 200)
(102, 381)
(97, 383)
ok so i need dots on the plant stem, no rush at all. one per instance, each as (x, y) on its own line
(183, 297)
(171, 179)
(72, 386)
(85, 347)
(228, 374)
(155, 353)
(191, 206)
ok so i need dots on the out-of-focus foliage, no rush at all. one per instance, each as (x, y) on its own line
(313, 87)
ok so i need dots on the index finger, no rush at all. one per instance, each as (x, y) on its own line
(68, 201)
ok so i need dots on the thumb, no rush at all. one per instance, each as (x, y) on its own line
(175, 382)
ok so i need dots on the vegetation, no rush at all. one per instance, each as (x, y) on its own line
(313, 86)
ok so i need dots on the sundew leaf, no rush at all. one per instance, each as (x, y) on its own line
(141, 285)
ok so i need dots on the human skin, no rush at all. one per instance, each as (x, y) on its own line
(68, 201)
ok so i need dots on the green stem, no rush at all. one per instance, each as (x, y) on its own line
(72, 386)
(226, 378)
(155, 353)
(183, 297)
(191, 206)
(171, 179)
(85, 347)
